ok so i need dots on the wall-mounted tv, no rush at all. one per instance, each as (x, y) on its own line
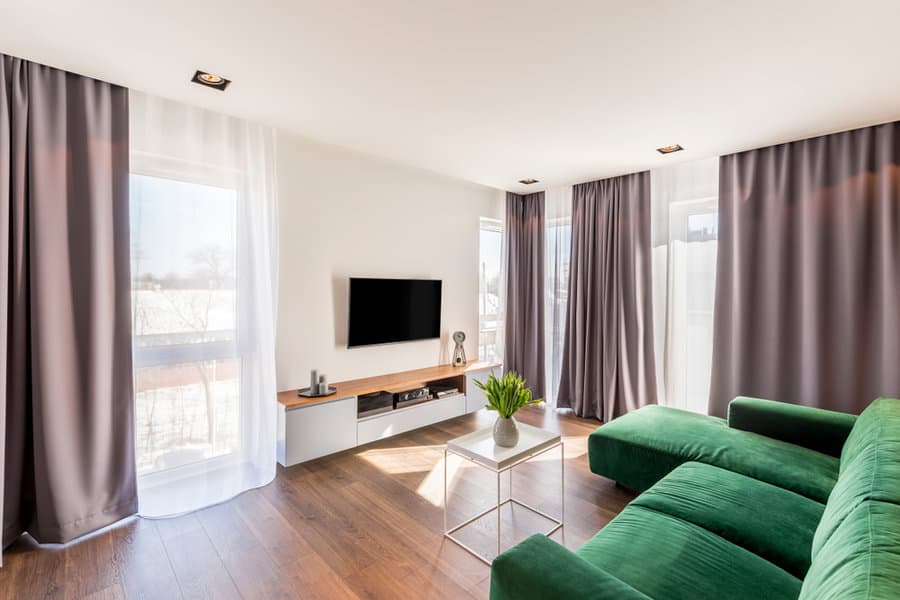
(383, 311)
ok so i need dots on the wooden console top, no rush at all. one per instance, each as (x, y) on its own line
(392, 382)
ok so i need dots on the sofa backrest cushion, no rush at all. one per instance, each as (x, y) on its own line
(879, 422)
(869, 469)
(860, 560)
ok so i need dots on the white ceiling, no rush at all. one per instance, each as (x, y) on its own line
(493, 91)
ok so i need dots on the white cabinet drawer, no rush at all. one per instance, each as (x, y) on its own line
(313, 431)
(406, 419)
(475, 399)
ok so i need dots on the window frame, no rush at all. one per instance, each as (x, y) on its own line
(688, 208)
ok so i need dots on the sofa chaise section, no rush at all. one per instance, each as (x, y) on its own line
(642, 447)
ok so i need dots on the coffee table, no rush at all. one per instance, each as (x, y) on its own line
(479, 448)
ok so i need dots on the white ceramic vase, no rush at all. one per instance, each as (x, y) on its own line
(506, 432)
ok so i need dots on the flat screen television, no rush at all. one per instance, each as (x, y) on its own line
(383, 311)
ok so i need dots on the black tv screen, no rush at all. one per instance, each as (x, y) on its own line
(393, 310)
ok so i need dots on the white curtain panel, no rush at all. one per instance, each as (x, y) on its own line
(684, 229)
(491, 317)
(500, 333)
(204, 289)
(557, 248)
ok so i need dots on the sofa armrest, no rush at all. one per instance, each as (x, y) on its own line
(539, 569)
(814, 428)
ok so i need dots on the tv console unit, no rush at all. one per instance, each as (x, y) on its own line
(312, 427)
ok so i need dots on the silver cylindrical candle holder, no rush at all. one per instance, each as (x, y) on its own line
(323, 384)
(313, 382)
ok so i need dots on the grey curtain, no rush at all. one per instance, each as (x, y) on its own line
(808, 275)
(65, 337)
(524, 341)
(608, 366)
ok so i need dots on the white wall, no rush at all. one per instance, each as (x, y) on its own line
(344, 214)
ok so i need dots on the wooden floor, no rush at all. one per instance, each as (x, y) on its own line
(366, 523)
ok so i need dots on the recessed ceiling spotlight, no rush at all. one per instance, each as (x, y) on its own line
(528, 181)
(669, 149)
(210, 80)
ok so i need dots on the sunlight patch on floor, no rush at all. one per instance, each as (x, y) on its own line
(405, 459)
(432, 487)
(409, 460)
(429, 459)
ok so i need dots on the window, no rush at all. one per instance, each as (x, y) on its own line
(685, 228)
(694, 259)
(205, 275)
(558, 242)
(489, 269)
(557, 252)
(184, 309)
(702, 226)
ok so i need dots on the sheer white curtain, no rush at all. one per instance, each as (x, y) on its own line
(684, 230)
(204, 283)
(490, 284)
(557, 248)
(500, 332)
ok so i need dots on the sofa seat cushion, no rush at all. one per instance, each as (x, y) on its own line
(641, 447)
(767, 520)
(668, 558)
(860, 560)
(870, 467)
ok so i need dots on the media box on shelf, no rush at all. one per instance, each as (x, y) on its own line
(374, 404)
(410, 397)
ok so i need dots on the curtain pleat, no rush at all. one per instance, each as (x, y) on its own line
(608, 364)
(808, 275)
(524, 329)
(65, 314)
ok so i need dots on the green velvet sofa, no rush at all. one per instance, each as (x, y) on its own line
(777, 502)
